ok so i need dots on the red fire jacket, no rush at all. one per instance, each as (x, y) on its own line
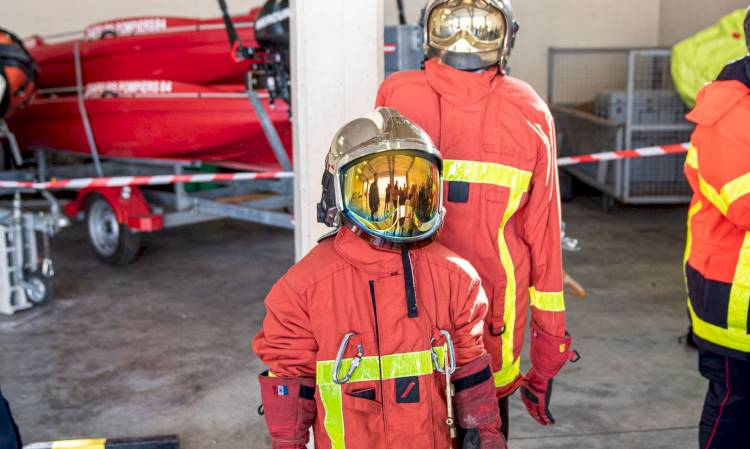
(395, 400)
(718, 249)
(498, 141)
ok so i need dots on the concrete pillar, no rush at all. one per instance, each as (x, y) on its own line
(337, 66)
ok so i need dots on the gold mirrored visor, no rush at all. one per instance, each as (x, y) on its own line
(466, 26)
(393, 195)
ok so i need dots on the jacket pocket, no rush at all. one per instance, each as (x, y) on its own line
(495, 320)
(359, 400)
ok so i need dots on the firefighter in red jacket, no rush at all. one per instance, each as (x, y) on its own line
(359, 335)
(498, 140)
(717, 259)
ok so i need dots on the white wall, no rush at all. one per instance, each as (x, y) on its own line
(676, 25)
(544, 23)
(45, 17)
(567, 23)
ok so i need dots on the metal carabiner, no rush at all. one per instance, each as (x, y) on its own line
(451, 353)
(340, 358)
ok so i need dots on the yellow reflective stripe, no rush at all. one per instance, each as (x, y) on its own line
(393, 366)
(549, 302)
(486, 173)
(510, 366)
(331, 398)
(692, 212)
(507, 376)
(96, 443)
(368, 369)
(731, 192)
(739, 298)
(712, 195)
(694, 209)
(409, 364)
(692, 158)
(736, 189)
(731, 338)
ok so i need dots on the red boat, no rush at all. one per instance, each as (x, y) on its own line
(156, 119)
(181, 49)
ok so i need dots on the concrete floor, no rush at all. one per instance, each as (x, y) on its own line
(162, 346)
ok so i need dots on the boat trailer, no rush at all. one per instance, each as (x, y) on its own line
(117, 215)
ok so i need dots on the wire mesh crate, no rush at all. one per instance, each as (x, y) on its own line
(612, 99)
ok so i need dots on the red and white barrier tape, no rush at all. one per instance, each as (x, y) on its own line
(624, 154)
(159, 180)
(122, 181)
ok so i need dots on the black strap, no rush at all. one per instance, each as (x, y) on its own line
(738, 70)
(306, 392)
(401, 13)
(473, 380)
(411, 294)
(234, 37)
(13, 51)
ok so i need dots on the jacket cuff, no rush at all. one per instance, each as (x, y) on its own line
(549, 353)
(476, 406)
(289, 409)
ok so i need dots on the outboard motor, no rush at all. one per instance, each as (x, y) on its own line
(272, 34)
(18, 73)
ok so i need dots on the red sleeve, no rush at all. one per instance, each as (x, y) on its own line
(285, 343)
(468, 318)
(542, 232)
(382, 98)
(724, 171)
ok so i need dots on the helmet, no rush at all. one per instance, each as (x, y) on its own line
(383, 180)
(470, 34)
(747, 29)
(18, 73)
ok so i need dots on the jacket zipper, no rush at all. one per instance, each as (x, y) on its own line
(380, 364)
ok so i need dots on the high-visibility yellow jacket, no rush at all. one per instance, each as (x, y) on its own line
(718, 249)
(698, 59)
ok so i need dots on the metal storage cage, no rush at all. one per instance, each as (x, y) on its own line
(620, 98)
(403, 48)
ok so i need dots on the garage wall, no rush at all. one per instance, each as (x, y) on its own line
(580, 23)
(46, 17)
(57, 16)
(544, 23)
(676, 24)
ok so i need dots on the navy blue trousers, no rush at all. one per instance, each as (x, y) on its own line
(725, 423)
(9, 436)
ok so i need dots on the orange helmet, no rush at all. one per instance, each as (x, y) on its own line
(18, 72)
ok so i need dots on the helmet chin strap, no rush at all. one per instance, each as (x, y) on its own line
(467, 62)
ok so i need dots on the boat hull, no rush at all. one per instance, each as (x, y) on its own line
(189, 51)
(204, 126)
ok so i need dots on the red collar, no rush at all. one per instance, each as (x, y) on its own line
(366, 257)
(457, 86)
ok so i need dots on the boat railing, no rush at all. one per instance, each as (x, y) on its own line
(81, 35)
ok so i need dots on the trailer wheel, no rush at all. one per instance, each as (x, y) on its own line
(38, 287)
(112, 242)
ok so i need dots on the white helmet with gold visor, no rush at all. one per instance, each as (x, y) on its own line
(470, 34)
(383, 180)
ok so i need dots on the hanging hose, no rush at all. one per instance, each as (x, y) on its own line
(401, 12)
(239, 51)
